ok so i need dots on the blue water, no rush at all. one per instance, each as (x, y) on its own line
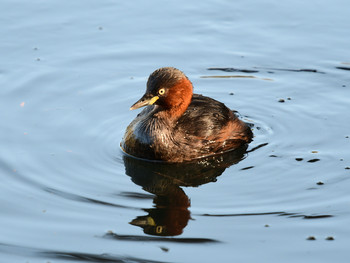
(69, 71)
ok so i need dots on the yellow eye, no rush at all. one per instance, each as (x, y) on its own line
(161, 91)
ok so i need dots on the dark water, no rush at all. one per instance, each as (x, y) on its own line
(69, 72)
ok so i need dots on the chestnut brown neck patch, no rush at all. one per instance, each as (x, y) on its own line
(179, 97)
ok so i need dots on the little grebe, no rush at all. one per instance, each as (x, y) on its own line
(178, 125)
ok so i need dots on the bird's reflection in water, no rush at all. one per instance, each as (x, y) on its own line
(170, 213)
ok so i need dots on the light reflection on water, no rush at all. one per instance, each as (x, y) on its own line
(67, 82)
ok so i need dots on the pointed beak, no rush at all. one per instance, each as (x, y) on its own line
(147, 99)
(143, 221)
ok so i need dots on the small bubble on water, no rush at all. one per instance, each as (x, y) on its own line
(165, 249)
(247, 168)
(313, 160)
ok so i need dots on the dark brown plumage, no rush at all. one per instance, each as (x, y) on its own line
(178, 125)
